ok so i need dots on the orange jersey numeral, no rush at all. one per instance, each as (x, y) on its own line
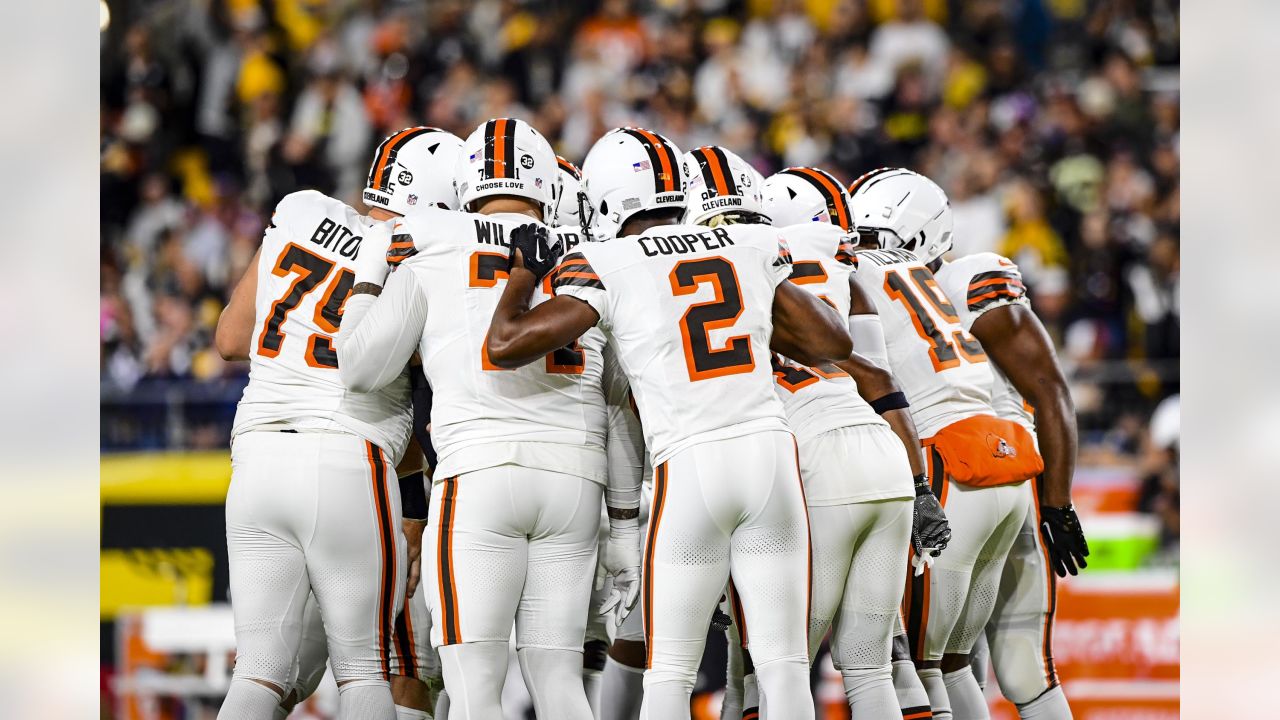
(944, 352)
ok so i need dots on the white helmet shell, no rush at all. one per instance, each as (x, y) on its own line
(806, 194)
(905, 210)
(413, 169)
(628, 171)
(505, 156)
(566, 211)
(720, 182)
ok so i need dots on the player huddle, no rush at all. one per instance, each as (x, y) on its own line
(655, 396)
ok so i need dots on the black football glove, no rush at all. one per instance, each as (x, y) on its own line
(1063, 536)
(929, 526)
(402, 248)
(533, 240)
(720, 621)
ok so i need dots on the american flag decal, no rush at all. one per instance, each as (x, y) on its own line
(641, 166)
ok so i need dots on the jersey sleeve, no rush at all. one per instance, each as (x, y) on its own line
(845, 254)
(624, 445)
(780, 265)
(379, 334)
(575, 277)
(292, 207)
(992, 284)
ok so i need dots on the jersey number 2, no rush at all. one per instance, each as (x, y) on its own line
(311, 270)
(704, 361)
(942, 350)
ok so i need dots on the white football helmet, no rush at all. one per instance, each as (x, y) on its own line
(628, 171)
(720, 182)
(506, 156)
(902, 209)
(413, 169)
(567, 209)
(806, 194)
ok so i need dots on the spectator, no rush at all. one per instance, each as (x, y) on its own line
(1054, 128)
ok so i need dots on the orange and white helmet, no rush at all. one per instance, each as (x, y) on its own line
(413, 169)
(505, 156)
(721, 182)
(629, 171)
(806, 194)
(567, 208)
(902, 209)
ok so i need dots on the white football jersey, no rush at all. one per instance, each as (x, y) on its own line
(819, 399)
(942, 369)
(568, 236)
(689, 311)
(481, 411)
(305, 273)
(978, 283)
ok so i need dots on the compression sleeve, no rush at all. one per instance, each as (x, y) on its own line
(624, 444)
(868, 338)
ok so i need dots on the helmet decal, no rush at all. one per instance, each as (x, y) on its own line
(662, 159)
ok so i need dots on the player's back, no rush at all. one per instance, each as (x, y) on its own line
(305, 273)
(975, 284)
(943, 370)
(818, 399)
(689, 309)
(462, 264)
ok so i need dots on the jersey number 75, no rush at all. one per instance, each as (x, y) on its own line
(311, 271)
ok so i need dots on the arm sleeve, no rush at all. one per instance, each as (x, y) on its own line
(379, 333)
(576, 278)
(625, 442)
(867, 333)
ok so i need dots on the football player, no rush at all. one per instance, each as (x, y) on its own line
(626, 456)
(860, 521)
(979, 464)
(691, 311)
(516, 495)
(991, 301)
(311, 508)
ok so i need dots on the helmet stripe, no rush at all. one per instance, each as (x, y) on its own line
(509, 147)
(660, 156)
(725, 170)
(380, 172)
(489, 141)
(714, 171)
(499, 148)
(670, 160)
(569, 168)
(823, 182)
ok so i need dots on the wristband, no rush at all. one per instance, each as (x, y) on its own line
(892, 401)
(623, 513)
(922, 484)
(413, 496)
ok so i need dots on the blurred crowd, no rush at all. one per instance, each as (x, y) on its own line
(1052, 124)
